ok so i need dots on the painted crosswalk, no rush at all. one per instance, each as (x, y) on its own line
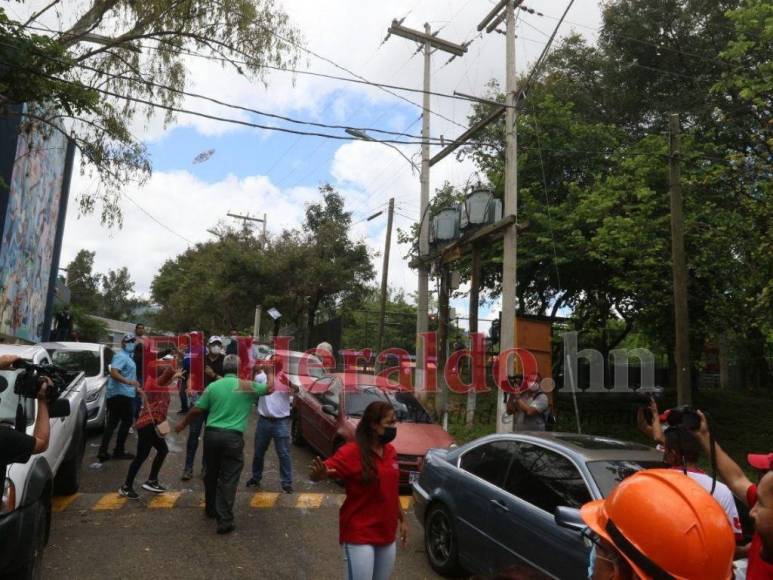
(105, 502)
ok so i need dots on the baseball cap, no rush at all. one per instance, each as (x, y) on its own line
(128, 337)
(761, 461)
(167, 357)
(213, 339)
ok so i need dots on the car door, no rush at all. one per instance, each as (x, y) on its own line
(485, 468)
(522, 514)
(309, 407)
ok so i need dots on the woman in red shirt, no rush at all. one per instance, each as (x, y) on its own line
(159, 382)
(369, 516)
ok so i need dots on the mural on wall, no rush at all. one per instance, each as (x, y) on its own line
(29, 232)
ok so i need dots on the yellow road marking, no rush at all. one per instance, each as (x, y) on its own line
(309, 500)
(62, 502)
(405, 501)
(264, 499)
(164, 500)
(110, 501)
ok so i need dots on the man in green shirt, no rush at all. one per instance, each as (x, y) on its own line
(228, 402)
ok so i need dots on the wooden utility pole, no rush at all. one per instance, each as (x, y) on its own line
(474, 292)
(442, 343)
(682, 342)
(385, 277)
(429, 42)
(247, 218)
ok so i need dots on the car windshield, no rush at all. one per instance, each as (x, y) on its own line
(408, 409)
(357, 401)
(312, 367)
(608, 473)
(77, 360)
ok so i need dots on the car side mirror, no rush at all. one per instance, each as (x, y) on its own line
(569, 518)
(330, 410)
(59, 408)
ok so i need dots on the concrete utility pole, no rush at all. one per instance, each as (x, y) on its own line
(246, 218)
(385, 276)
(256, 326)
(682, 343)
(429, 41)
(474, 292)
(441, 405)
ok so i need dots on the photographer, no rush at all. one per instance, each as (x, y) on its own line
(16, 446)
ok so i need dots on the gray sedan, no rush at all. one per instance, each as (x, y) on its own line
(488, 507)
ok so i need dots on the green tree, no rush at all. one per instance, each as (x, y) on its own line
(118, 300)
(135, 68)
(360, 322)
(83, 282)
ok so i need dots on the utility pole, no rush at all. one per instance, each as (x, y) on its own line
(246, 218)
(429, 41)
(474, 292)
(442, 344)
(385, 276)
(256, 326)
(682, 343)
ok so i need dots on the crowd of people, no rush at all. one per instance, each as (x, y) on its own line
(674, 523)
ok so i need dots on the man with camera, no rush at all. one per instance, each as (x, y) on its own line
(16, 446)
(759, 498)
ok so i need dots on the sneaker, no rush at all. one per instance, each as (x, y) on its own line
(252, 482)
(128, 492)
(131, 430)
(153, 486)
(187, 475)
(287, 488)
(123, 455)
(226, 529)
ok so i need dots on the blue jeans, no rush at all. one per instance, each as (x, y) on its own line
(279, 431)
(366, 562)
(194, 431)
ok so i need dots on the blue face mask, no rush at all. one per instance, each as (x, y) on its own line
(129, 347)
(592, 562)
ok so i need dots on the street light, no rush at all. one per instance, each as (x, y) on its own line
(362, 135)
(445, 226)
(480, 208)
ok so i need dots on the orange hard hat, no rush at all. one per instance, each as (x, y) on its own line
(666, 526)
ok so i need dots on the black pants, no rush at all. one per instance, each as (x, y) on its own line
(147, 440)
(224, 455)
(119, 410)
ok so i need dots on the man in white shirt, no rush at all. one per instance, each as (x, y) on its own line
(274, 423)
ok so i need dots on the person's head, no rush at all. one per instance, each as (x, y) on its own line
(233, 332)
(139, 329)
(129, 342)
(682, 447)
(533, 382)
(659, 522)
(376, 427)
(762, 511)
(231, 364)
(215, 345)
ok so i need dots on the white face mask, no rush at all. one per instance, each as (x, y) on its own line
(215, 349)
(534, 386)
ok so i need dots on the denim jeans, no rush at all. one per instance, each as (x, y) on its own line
(279, 431)
(194, 432)
(224, 453)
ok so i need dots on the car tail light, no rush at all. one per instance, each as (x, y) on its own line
(8, 503)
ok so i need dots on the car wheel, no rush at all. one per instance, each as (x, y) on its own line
(296, 433)
(440, 542)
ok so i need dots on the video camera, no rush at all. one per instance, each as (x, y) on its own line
(31, 379)
(643, 396)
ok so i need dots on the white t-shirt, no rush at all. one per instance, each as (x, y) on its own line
(724, 497)
(277, 404)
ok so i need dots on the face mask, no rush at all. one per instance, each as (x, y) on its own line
(215, 349)
(592, 562)
(129, 347)
(534, 386)
(388, 436)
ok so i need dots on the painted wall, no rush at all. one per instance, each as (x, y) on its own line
(28, 247)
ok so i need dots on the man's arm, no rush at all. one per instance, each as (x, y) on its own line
(190, 416)
(729, 470)
(122, 379)
(7, 360)
(42, 430)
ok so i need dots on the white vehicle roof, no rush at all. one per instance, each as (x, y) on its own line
(87, 346)
(26, 351)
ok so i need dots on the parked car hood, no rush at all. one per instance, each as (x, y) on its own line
(417, 438)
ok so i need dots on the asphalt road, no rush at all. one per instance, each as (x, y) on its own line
(96, 534)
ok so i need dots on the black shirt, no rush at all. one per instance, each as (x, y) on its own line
(15, 447)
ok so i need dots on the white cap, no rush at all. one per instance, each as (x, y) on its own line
(215, 339)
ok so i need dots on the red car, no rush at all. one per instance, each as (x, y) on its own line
(325, 416)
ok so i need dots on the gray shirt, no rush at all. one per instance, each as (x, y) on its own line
(536, 422)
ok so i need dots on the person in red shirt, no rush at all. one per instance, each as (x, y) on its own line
(758, 497)
(369, 516)
(160, 379)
